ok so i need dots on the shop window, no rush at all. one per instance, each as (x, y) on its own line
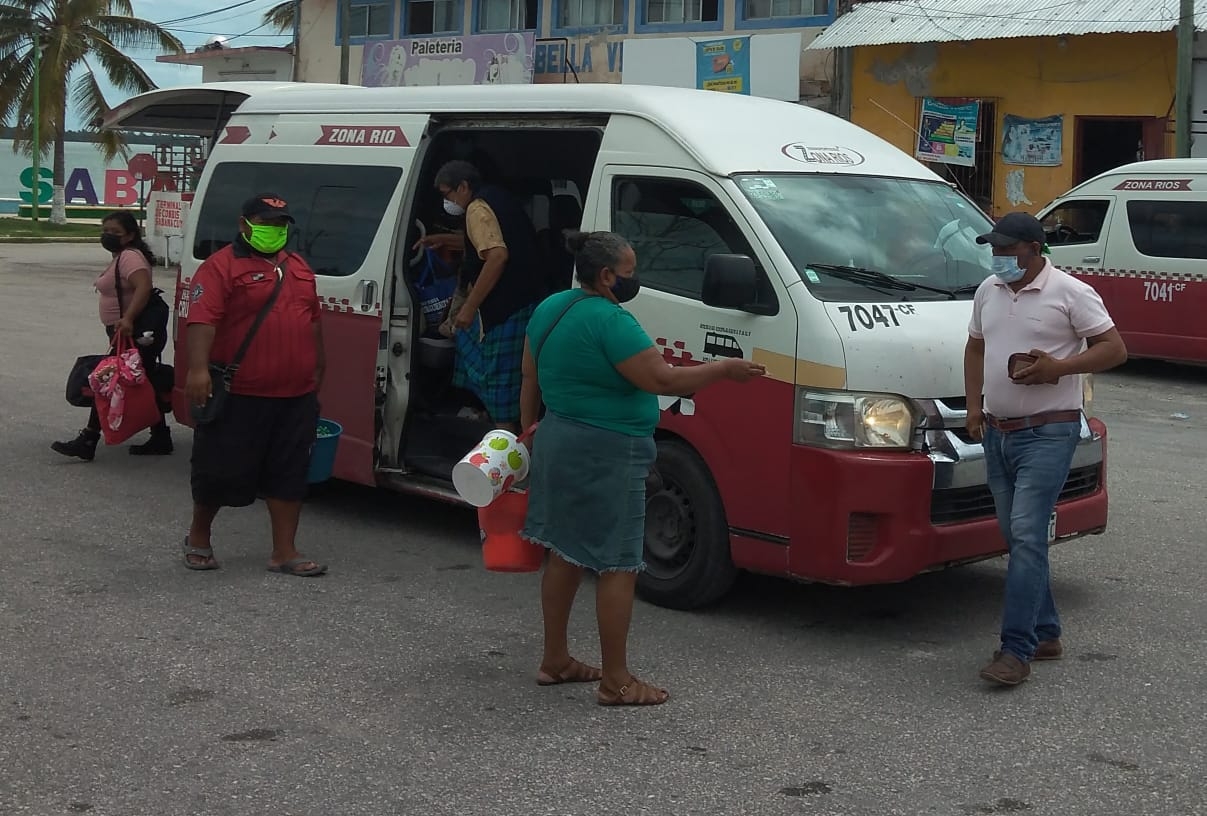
(1169, 229)
(590, 13)
(433, 16)
(681, 12)
(1077, 222)
(338, 209)
(674, 226)
(369, 19)
(506, 15)
(785, 9)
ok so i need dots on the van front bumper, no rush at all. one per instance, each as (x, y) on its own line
(869, 518)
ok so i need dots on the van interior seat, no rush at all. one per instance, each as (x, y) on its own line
(534, 195)
(565, 213)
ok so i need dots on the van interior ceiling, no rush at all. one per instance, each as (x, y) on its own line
(548, 169)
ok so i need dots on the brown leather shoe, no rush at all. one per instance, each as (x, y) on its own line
(1049, 650)
(1006, 670)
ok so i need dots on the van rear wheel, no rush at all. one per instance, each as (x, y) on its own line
(688, 564)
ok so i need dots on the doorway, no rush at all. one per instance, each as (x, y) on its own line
(1104, 143)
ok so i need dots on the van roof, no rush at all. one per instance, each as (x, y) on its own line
(1152, 167)
(726, 133)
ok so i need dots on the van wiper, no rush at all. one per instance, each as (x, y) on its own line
(872, 279)
(970, 289)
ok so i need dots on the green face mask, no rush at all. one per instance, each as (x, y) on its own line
(267, 239)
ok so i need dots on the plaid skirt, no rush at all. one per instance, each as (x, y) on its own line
(493, 367)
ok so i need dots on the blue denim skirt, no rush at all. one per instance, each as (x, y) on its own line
(586, 494)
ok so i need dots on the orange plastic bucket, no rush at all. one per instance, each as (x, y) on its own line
(503, 550)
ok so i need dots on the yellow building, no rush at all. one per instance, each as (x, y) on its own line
(1015, 102)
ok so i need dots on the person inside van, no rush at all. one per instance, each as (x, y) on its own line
(131, 261)
(598, 374)
(504, 283)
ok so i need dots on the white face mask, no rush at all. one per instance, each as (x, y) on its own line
(1007, 269)
(453, 208)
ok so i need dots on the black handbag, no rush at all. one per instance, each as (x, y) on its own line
(222, 374)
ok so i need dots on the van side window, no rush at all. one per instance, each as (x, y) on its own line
(674, 226)
(1077, 222)
(338, 209)
(1169, 229)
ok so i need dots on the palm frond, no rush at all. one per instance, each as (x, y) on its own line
(121, 70)
(131, 32)
(282, 17)
(89, 103)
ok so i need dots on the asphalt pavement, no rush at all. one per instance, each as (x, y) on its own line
(402, 682)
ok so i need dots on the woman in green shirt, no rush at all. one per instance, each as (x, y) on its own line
(598, 374)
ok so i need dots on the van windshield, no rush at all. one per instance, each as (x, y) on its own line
(873, 238)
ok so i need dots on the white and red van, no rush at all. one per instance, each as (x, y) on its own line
(763, 229)
(1138, 235)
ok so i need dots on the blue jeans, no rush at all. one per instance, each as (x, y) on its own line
(1027, 470)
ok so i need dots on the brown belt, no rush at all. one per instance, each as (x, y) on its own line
(1033, 421)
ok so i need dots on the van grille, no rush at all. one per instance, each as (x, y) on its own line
(970, 503)
(861, 537)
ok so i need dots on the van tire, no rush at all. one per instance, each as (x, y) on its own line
(688, 564)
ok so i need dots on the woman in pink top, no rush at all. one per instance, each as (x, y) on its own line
(132, 260)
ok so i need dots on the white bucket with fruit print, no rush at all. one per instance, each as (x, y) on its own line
(499, 461)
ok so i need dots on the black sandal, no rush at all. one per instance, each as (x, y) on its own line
(291, 567)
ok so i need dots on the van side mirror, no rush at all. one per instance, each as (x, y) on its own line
(732, 282)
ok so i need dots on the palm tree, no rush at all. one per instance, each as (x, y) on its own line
(282, 16)
(77, 38)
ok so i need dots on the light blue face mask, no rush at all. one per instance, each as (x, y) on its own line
(1007, 269)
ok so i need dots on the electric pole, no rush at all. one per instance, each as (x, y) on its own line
(1184, 92)
(345, 20)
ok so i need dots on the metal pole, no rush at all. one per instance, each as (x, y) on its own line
(297, 40)
(345, 15)
(37, 131)
(1185, 80)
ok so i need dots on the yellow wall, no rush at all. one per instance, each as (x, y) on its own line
(1092, 75)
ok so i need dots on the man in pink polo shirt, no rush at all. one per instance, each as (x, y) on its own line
(1034, 331)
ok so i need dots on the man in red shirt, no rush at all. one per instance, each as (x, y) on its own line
(259, 447)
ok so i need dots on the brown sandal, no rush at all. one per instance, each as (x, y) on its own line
(574, 672)
(633, 693)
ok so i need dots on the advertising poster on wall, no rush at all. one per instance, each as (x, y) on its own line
(724, 65)
(478, 59)
(1035, 142)
(948, 133)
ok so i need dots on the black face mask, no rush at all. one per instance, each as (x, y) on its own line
(111, 242)
(625, 289)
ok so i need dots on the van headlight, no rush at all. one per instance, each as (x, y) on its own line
(846, 419)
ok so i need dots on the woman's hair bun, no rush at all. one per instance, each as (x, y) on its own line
(576, 241)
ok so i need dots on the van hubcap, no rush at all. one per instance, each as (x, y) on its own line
(670, 530)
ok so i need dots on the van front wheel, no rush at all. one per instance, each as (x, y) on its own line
(686, 536)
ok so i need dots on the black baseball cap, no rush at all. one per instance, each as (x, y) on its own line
(1014, 227)
(269, 205)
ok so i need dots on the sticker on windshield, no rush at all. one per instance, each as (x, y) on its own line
(812, 276)
(762, 188)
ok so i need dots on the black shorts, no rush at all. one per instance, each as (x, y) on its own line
(260, 448)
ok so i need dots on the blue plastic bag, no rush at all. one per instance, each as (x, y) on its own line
(435, 287)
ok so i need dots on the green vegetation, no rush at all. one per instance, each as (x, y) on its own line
(76, 39)
(23, 228)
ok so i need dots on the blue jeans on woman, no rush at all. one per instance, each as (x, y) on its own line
(1027, 470)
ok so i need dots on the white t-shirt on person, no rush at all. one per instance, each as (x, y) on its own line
(1054, 313)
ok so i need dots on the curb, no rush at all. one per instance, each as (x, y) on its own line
(49, 239)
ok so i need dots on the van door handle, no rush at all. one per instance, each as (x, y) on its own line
(368, 295)
(1091, 260)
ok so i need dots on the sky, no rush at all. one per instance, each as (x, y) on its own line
(240, 24)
